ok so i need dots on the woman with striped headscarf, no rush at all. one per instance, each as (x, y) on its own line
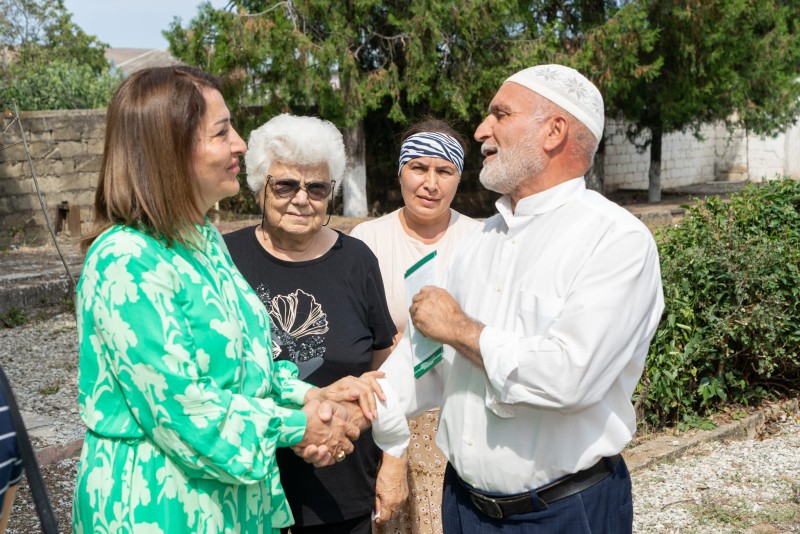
(430, 166)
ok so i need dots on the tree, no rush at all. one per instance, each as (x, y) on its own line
(735, 61)
(341, 60)
(608, 41)
(23, 21)
(53, 63)
(400, 58)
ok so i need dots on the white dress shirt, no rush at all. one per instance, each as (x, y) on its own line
(569, 288)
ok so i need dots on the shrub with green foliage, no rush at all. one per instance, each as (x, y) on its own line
(60, 84)
(731, 327)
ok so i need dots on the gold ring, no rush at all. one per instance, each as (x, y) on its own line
(340, 456)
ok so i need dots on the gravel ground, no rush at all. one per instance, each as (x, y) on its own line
(41, 361)
(741, 486)
(745, 486)
(59, 478)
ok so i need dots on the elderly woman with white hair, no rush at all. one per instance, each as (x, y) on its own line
(325, 296)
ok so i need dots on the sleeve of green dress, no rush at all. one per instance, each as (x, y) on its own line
(287, 389)
(171, 386)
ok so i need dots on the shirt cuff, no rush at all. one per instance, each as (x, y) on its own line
(499, 360)
(390, 429)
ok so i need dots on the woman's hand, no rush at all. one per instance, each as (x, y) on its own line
(361, 389)
(391, 487)
(329, 435)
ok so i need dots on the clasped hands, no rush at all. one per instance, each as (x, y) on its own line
(336, 415)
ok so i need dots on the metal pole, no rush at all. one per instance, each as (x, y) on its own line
(42, 203)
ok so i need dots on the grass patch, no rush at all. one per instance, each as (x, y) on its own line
(13, 317)
(50, 390)
(746, 516)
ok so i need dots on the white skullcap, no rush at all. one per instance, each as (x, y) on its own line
(568, 89)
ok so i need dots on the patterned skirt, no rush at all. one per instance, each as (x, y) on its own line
(422, 513)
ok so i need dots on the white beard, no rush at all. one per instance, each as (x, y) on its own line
(513, 166)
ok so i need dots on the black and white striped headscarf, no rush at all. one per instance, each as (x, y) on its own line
(432, 145)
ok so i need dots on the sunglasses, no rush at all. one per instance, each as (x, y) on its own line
(288, 188)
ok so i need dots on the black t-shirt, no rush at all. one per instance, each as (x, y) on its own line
(327, 315)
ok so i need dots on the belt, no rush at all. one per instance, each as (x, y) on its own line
(501, 506)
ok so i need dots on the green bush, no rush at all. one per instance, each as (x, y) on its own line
(244, 202)
(59, 84)
(730, 332)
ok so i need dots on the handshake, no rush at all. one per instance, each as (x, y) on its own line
(335, 417)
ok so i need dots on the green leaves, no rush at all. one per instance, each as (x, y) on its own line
(60, 84)
(731, 274)
(707, 61)
(55, 64)
(342, 60)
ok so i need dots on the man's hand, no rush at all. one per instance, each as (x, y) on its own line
(362, 389)
(329, 435)
(391, 487)
(354, 415)
(436, 314)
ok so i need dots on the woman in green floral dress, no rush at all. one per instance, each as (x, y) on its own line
(183, 402)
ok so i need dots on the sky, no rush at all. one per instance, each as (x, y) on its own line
(132, 23)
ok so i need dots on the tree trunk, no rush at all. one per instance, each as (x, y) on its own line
(354, 185)
(654, 191)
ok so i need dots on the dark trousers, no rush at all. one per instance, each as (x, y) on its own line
(606, 507)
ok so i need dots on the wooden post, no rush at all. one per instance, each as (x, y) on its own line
(74, 221)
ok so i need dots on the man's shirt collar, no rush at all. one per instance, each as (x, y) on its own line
(540, 203)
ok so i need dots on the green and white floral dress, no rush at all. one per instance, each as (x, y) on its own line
(183, 403)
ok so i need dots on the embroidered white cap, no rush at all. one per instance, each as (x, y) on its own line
(568, 89)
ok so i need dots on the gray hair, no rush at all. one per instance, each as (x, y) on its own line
(293, 140)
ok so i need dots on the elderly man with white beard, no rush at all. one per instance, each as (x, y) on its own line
(546, 314)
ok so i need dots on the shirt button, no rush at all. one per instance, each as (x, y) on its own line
(499, 289)
(469, 441)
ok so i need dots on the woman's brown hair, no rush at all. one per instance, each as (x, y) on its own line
(147, 176)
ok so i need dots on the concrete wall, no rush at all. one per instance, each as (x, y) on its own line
(66, 148)
(684, 160)
(755, 157)
(687, 161)
(767, 157)
(792, 144)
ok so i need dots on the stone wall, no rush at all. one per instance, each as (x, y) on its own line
(66, 148)
(686, 160)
